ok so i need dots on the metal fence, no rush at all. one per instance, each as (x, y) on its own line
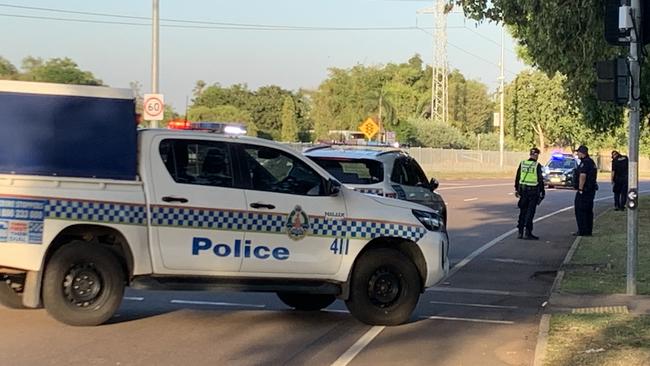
(451, 160)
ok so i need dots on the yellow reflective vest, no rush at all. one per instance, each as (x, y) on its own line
(528, 173)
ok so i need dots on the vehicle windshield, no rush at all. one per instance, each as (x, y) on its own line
(352, 171)
(561, 164)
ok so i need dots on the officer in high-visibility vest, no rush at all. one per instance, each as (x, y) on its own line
(529, 188)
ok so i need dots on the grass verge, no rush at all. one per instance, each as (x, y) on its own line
(599, 264)
(598, 340)
(598, 267)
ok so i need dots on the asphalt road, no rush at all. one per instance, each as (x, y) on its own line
(486, 313)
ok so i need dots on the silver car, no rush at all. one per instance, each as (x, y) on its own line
(382, 171)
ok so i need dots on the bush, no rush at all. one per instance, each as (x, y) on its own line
(438, 135)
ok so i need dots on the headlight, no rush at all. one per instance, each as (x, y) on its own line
(430, 220)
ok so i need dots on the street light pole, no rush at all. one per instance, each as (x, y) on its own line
(501, 108)
(154, 54)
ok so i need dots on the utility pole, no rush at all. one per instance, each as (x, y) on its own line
(633, 169)
(439, 75)
(154, 54)
(501, 108)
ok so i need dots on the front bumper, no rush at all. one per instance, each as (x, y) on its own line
(558, 180)
(435, 249)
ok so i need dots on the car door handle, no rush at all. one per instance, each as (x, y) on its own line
(174, 199)
(262, 205)
(411, 194)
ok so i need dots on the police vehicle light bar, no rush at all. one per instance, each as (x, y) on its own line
(216, 127)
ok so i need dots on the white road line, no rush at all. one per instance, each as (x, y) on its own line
(474, 305)
(499, 238)
(484, 292)
(470, 199)
(191, 302)
(349, 355)
(131, 298)
(336, 311)
(353, 351)
(476, 186)
(513, 261)
(468, 320)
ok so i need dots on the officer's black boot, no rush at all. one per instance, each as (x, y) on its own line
(530, 236)
(520, 234)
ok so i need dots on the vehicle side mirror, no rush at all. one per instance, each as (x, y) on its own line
(332, 187)
(433, 184)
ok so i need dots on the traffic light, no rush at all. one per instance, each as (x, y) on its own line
(612, 80)
(618, 22)
(613, 34)
(632, 199)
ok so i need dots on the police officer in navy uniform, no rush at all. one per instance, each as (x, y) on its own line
(586, 186)
(619, 180)
(529, 188)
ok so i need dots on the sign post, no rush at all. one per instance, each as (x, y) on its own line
(154, 107)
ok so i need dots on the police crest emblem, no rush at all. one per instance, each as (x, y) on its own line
(297, 223)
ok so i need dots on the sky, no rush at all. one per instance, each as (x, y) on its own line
(204, 40)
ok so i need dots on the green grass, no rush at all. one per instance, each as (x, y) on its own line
(598, 339)
(599, 264)
(599, 267)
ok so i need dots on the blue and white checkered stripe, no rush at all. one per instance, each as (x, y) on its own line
(376, 191)
(118, 213)
(275, 223)
(124, 213)
(357, 229)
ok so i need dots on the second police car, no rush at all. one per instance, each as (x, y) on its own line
(559, 170)
(381, 171)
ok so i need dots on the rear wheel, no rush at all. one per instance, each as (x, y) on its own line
(11, 292)
(385, 288)
(307, 302)
(83, 284)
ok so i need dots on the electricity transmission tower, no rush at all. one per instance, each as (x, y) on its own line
(439, 91)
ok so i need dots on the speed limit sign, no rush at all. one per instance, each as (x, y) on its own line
(154, 107)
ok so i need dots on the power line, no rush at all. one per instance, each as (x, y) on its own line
(479, 57)
(212, 24)
(488, 39)
(217, 25)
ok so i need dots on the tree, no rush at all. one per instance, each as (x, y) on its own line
(470, 106)
(7, 69)
(57, 70)
(198, 88)
(266, 107)
(540, 114)
(215, 95)
(437, 134)
(221, 113)
(565, 37)
(289, 128)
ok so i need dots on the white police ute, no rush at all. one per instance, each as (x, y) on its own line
(89, 204)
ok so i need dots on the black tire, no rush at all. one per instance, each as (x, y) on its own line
(384, 289)
(306, 302)
(10, 295)
(99, 288)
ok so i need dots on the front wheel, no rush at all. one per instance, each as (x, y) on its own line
(83, 284)
(307, 302)
(385, 288)
(11, 293)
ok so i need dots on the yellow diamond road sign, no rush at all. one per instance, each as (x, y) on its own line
(369, 128)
